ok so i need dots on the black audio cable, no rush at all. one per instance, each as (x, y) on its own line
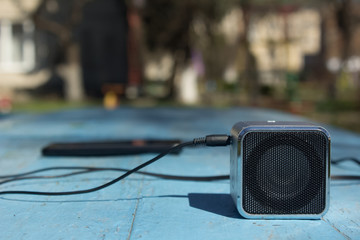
(157, 175)
(22, 176)
(99, 169)
(210, 140)
(339, 160)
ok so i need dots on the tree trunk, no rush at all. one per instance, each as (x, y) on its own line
(251, 73)
(70, 71)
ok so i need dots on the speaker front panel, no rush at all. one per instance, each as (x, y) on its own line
(284, 173)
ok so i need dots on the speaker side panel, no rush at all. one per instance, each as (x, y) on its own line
(234, 168)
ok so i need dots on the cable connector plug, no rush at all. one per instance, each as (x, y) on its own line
(215, 140)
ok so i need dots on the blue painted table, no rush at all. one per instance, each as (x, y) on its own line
(142, 207)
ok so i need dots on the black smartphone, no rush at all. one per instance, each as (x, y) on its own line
(109, 148)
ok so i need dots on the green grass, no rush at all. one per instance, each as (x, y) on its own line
(345, 114)
(46, 105)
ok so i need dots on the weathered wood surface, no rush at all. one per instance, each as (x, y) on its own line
(146, 207)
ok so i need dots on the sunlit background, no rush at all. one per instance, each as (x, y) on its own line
(301, 57)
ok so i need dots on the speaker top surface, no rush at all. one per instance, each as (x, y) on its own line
(241, 128)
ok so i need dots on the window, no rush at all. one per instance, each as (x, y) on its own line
(17, 47)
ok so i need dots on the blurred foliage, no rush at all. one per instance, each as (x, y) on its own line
(336, 106)
(38, 106)
(267, 90)
(183, 26)
(167, 23)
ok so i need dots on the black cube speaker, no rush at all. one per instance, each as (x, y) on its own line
(280, 169)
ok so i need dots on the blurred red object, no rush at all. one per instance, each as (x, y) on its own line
(5, 104)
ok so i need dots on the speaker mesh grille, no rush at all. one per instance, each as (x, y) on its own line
(284, 172)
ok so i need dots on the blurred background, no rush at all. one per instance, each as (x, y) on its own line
(301, 57)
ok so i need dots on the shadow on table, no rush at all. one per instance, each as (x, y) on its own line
(221, 204)
(217, 203)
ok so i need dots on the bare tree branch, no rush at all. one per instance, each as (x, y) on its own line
(62, 30)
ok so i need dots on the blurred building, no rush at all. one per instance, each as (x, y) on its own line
(280, 41)
(18, 46)
(296, 40)
(65, 46)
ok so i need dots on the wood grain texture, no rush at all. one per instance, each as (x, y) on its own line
(145, 207)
